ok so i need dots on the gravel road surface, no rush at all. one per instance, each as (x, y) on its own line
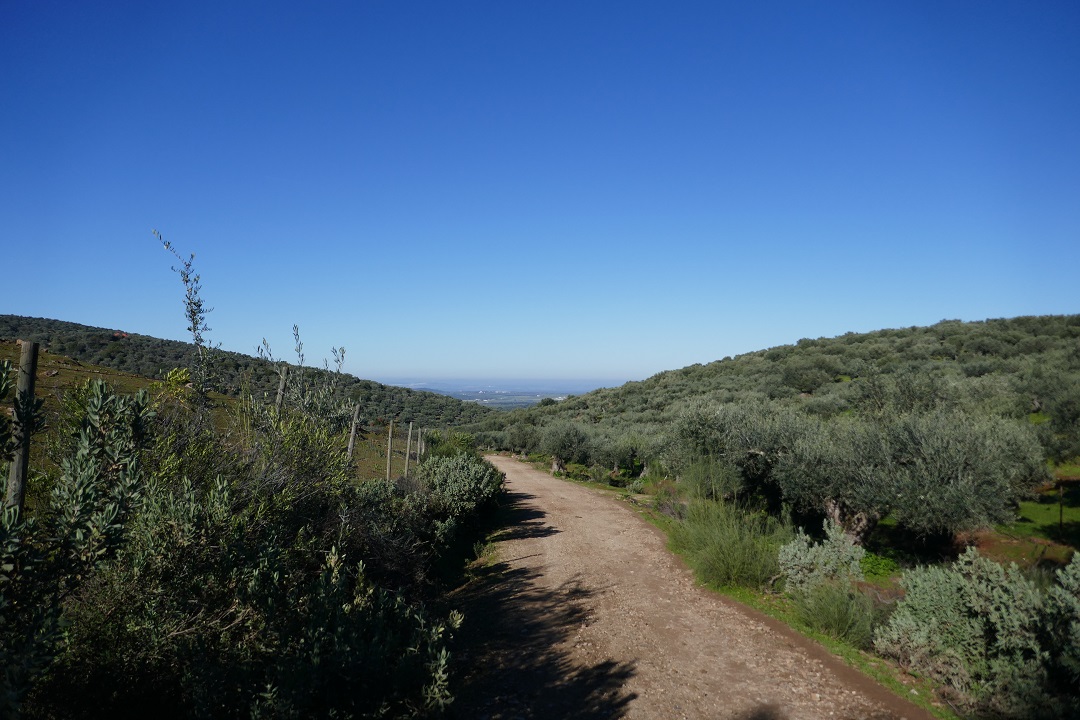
(585, 614)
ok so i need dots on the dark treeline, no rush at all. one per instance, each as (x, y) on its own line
(154, 358)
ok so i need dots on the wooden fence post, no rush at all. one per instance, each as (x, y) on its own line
(408, 449)
(352, 434)
(389, 448)
(24, 420)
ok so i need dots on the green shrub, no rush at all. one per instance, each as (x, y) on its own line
(666, 499)
(576, 471)
(711, 479)
(459, 487)
(998, 645)
(521, 437)
(838, 610)
(211, 613)
(731, 547)
(43, 560)
(835, 559)
(243, 576)
(876, 567)
(1061, 628)
(599, 474)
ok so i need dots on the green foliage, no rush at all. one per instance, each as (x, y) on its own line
(838, 610)
(751, 436)
(1002, 367)
(459, 487)
(939, 472)
(709, 479)
(522, 438)
(843, 469)
(990, 636)
(191, 573)
(454, 443)
(42, 561)
(213, 612)
(958, 472)
(836, 559)
(202, 370)
(1061, 629)
(876, 567)
(730, 547)
(7, 427)
(566, 442)
(317, 394)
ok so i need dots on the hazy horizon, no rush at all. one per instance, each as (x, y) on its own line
(538, 385)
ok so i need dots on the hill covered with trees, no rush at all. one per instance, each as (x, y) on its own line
(153, 358)
(941, 429)
(848, 474)
(1020, 368)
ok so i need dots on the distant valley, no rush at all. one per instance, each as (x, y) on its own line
(505, 394)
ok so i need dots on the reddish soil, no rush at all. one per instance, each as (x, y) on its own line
(585, 614)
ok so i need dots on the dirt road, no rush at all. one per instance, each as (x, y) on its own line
(586, 614)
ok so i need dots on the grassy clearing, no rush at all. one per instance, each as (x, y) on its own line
(1047, 531)
(1068, 471)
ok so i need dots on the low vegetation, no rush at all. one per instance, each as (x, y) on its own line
(185, 555)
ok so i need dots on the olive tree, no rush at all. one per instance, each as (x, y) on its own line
(959, 472)
(842, 470)
(937, 472)
(565, 442)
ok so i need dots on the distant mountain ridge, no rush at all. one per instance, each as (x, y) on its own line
(153, 357)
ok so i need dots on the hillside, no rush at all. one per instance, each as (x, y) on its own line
(1018, 367)
(153, 357)
(938, 461)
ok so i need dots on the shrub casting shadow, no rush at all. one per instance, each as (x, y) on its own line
(509, 654)
(764, 712)
(520, 521)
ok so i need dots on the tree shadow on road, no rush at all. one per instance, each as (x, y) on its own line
(511, 653)
(519, 521)
(764, 712)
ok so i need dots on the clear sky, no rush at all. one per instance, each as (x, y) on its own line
(539, 189)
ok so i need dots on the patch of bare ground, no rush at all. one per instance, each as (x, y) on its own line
(585, 614)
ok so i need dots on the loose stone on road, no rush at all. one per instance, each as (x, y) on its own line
(586, 614)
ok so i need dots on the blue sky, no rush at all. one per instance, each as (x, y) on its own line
(547, 190)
